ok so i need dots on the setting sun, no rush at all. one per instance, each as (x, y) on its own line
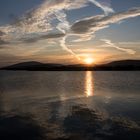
(89, 61)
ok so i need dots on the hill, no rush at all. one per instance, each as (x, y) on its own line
(37, 66)
(120, 65)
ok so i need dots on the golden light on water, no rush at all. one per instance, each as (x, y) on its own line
(89, 84)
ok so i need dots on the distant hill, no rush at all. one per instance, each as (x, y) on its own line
(120, 65)
(25, 64)
(32, 66)
(37, 66)
(125, 63)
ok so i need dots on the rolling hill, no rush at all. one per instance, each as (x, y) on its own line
(37, 66)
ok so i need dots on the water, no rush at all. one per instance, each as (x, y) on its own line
(69, 105)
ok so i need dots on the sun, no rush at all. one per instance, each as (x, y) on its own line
(89, 61)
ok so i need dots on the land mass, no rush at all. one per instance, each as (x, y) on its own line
(122, 65)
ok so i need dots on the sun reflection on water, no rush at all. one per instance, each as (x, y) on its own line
(89, 86)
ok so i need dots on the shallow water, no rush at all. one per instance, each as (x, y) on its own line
(69, 105)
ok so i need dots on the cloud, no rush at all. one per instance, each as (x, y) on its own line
(108, 43)
(86, 25)
(105, 7)
(63, 24)
(37, 24)
(39, 19)
(64, 47)
(41, 37)
(82, 38)
(2, 42)
(92, 24)
(1, 33)
(30, 27)
(129, 43)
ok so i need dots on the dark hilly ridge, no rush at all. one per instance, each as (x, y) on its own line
(120, 65)
(37, 66)
(32, 65)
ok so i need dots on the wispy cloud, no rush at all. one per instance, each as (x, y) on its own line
(33, 39)
(82, 38)
(37, 24)
(109, 43)
(129, 43)
(86, 28)
(105, 7)
(39, 20)
(64, 47)
(95, 23)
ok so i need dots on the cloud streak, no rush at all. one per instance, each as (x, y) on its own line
(86, 28)
(107, 9)
(39, 20)
(92, 24)
(37, 24)
(129, 43)
(64, 47)
(108, 43)
(41, 37)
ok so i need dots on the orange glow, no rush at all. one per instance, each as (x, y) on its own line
(89, 61)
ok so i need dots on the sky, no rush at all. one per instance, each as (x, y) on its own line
(69, 31)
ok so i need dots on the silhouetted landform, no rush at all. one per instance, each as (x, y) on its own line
(122, 65)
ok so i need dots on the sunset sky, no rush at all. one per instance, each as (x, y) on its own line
(69, 31)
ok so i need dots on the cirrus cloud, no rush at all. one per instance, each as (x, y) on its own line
(95, 23)
(37, 25)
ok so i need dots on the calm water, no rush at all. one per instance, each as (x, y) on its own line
(69, 105)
